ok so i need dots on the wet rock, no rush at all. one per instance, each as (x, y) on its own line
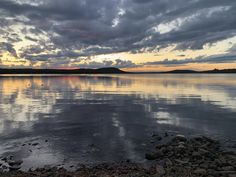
(180, 138)
(14, 167)
(181, 147)
(168, 162)
(154, 155)
(196, 154)
(203, 151)
(181, 161)
(228, 168)
(160, 170)
(15, 163)
(200, 171)
(4, 159)
(166, 134)
(232, 175)
(157, 137)
(35, 144)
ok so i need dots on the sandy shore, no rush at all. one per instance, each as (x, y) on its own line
(179, 157)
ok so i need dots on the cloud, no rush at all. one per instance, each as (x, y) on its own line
(9, 48)
(211, 59)
(78, 28)
(118, 63)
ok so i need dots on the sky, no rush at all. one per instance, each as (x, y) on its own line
(133, 35)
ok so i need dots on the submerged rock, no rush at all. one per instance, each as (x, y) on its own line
(180, 138)
(153, 155)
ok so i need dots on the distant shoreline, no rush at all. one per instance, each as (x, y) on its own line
(106, 71)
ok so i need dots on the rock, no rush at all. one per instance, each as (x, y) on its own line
(14, 167)
(35, 144)
(4, 159)
(180, 138)
(154, 155)
(166, 134)
(181, 161)
(225, 172)
(228, 168)
(157, 137)
(160, 170)
(196, 154)
(232, 175)
(168, 162)
(204, 165)
(181, 147)
(203, 151)
(200, 171)
(13, 163)
(198, 138)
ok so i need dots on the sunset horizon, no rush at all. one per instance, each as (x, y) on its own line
(83, 34)
(117, 88)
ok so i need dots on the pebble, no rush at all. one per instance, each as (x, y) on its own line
(180, 138)
(14, 168)
(200, 171)
(17, 162)
(153, 155)
(160, 170)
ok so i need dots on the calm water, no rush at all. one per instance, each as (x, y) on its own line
(105, 118)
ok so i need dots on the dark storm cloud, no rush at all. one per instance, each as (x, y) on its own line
(108, 26)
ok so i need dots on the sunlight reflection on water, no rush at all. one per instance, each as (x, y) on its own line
(107, 118)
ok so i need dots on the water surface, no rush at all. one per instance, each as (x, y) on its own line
(107, 118)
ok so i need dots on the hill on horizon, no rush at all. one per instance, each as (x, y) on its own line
(109, 70)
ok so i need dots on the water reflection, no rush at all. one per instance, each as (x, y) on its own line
(108, 118)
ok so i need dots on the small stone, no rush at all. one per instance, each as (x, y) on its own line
(168, 162)
(160, 170)
(180, 138)
(17, 163)
(35, 144)
(203, 151)
(196, 154)
(228, 168)
(181, 147)
(4, 159)
(153, 156)
(200, 171)
(181, 161)
(14, 168)
(232, 175)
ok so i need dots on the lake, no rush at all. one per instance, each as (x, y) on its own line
(66, 120)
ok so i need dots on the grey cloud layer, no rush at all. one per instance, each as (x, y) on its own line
(108, 26)
(211, 59)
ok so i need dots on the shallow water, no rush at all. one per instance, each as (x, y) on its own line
(107, 118)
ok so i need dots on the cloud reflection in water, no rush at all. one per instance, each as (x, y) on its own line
(109, 118)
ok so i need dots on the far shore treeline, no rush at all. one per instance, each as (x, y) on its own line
(103, 71)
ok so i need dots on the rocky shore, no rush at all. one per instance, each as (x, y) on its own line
(197, 156)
